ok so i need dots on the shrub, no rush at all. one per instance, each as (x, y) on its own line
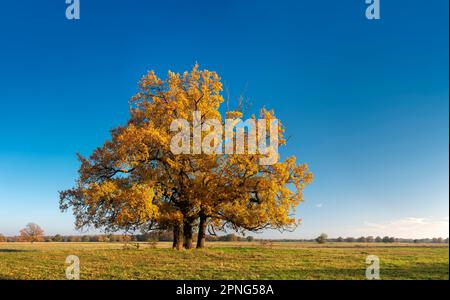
(361, 240)
(57, 238)
(266, 243)
(322, 238)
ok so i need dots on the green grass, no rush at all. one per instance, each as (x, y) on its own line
(239, 260)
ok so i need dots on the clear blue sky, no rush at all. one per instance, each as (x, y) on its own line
(365, 102)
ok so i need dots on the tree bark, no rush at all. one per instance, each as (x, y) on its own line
(201, 239)
(177, 237)
(187, 232)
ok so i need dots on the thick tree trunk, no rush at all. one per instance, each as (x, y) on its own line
(187, 232)
(177, 237)
(201, 239)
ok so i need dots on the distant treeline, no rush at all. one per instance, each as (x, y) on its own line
(378, 239)
(166, 236)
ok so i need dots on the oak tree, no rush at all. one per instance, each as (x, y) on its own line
(136, 181)
(31, 233)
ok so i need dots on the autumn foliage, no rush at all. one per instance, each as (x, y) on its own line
(31, 233)
(134, 181)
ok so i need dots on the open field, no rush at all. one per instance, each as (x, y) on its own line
(224, 260)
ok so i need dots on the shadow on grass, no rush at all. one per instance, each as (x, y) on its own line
(7, 278)
(14, 250)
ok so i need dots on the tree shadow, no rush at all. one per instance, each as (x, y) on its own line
(13, 250)
(7, 278)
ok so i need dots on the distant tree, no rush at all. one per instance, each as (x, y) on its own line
(350, 240)
(266, 243)
(58, 238)
(85, 238)
(31, 233)
(340, 239)
(212, 238)
(392, 239)
(166, 236)
(378, 239)
(250, 238)
(151, 237)
(229, 238)
(74, 238)
(361, 239)
(126, 238)
(322, 238)
(386, 239)
(101, 238)
(2, 238)
(114, 238)
(369, 239)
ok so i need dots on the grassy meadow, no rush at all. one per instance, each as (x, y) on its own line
(224, 260)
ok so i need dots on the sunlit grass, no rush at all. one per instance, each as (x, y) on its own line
(224, 260)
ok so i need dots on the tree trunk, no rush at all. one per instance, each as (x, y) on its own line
(177, 237)
(187, 232)
(201, 239)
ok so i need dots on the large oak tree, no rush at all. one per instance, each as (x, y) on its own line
(135, 181)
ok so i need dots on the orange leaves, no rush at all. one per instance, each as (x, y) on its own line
(31, 233)
(130, 203)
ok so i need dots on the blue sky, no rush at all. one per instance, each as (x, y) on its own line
(365, 102)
